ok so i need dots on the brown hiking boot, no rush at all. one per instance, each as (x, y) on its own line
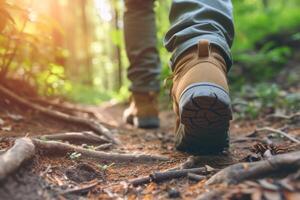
(143, 110)
(201, 100)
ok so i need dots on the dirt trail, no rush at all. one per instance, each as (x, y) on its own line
(53, 176)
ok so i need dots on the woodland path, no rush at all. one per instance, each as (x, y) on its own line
(74, 175)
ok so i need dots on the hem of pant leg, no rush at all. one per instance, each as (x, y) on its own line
(215, 40)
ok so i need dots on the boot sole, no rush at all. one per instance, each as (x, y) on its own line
(205, 113)
(146, 122)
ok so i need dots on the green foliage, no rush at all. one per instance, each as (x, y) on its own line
(105, 167)
(29, 52)
(87, 94)
(92, 95)
(75, 156)
(255, 100)
(254, 20)
(261, 65)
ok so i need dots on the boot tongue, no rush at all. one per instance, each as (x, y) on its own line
(203, 48)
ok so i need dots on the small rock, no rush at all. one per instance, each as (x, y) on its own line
(173, 193)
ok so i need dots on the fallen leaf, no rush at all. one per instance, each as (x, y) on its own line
(6, 128)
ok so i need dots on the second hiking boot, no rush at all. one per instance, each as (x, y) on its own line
(143, 110)
(201, 100)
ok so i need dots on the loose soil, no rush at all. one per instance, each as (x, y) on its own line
(49, 177)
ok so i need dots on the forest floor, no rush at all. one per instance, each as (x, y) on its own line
(71, 175)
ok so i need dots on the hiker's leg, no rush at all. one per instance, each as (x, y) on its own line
(145, 67)
(140, 39)
(200, 38)
(195, 20)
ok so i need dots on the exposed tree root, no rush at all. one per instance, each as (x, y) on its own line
(94, 125)
(56, 148)
(70, 108)
(77, 138)
(61, 105)
(244, 171)
(13, 158)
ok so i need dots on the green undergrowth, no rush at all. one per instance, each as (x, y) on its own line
(259, 99)
(94, 96)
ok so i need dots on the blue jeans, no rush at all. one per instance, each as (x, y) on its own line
(191, 21)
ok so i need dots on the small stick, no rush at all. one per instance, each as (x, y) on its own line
(278, 132)
(162, 176)
(92, 124)
(22, 150)
(166, 175)
(43, 173)
(195, 177)
(140, 181)
(76, 137)
(54, 147)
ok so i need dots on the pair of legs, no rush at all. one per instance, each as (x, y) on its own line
(199, 38)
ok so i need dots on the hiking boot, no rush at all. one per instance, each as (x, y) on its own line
(143, 110)
(201, 100)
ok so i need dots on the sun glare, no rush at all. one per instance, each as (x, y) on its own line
(104, 10)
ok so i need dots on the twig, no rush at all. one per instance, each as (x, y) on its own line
(76, 137)
(195, 177)
(13, 158)
(53, 147)
(81, 189)
(166, 175)
(97, 127)
(103, 146)
(162, 176)
(285, 117)
(278, 132)
(43, 173)
(189, 163)
(244, 171)
(140, 181)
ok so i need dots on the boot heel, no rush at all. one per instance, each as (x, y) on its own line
(146, 122)
(205, 113)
